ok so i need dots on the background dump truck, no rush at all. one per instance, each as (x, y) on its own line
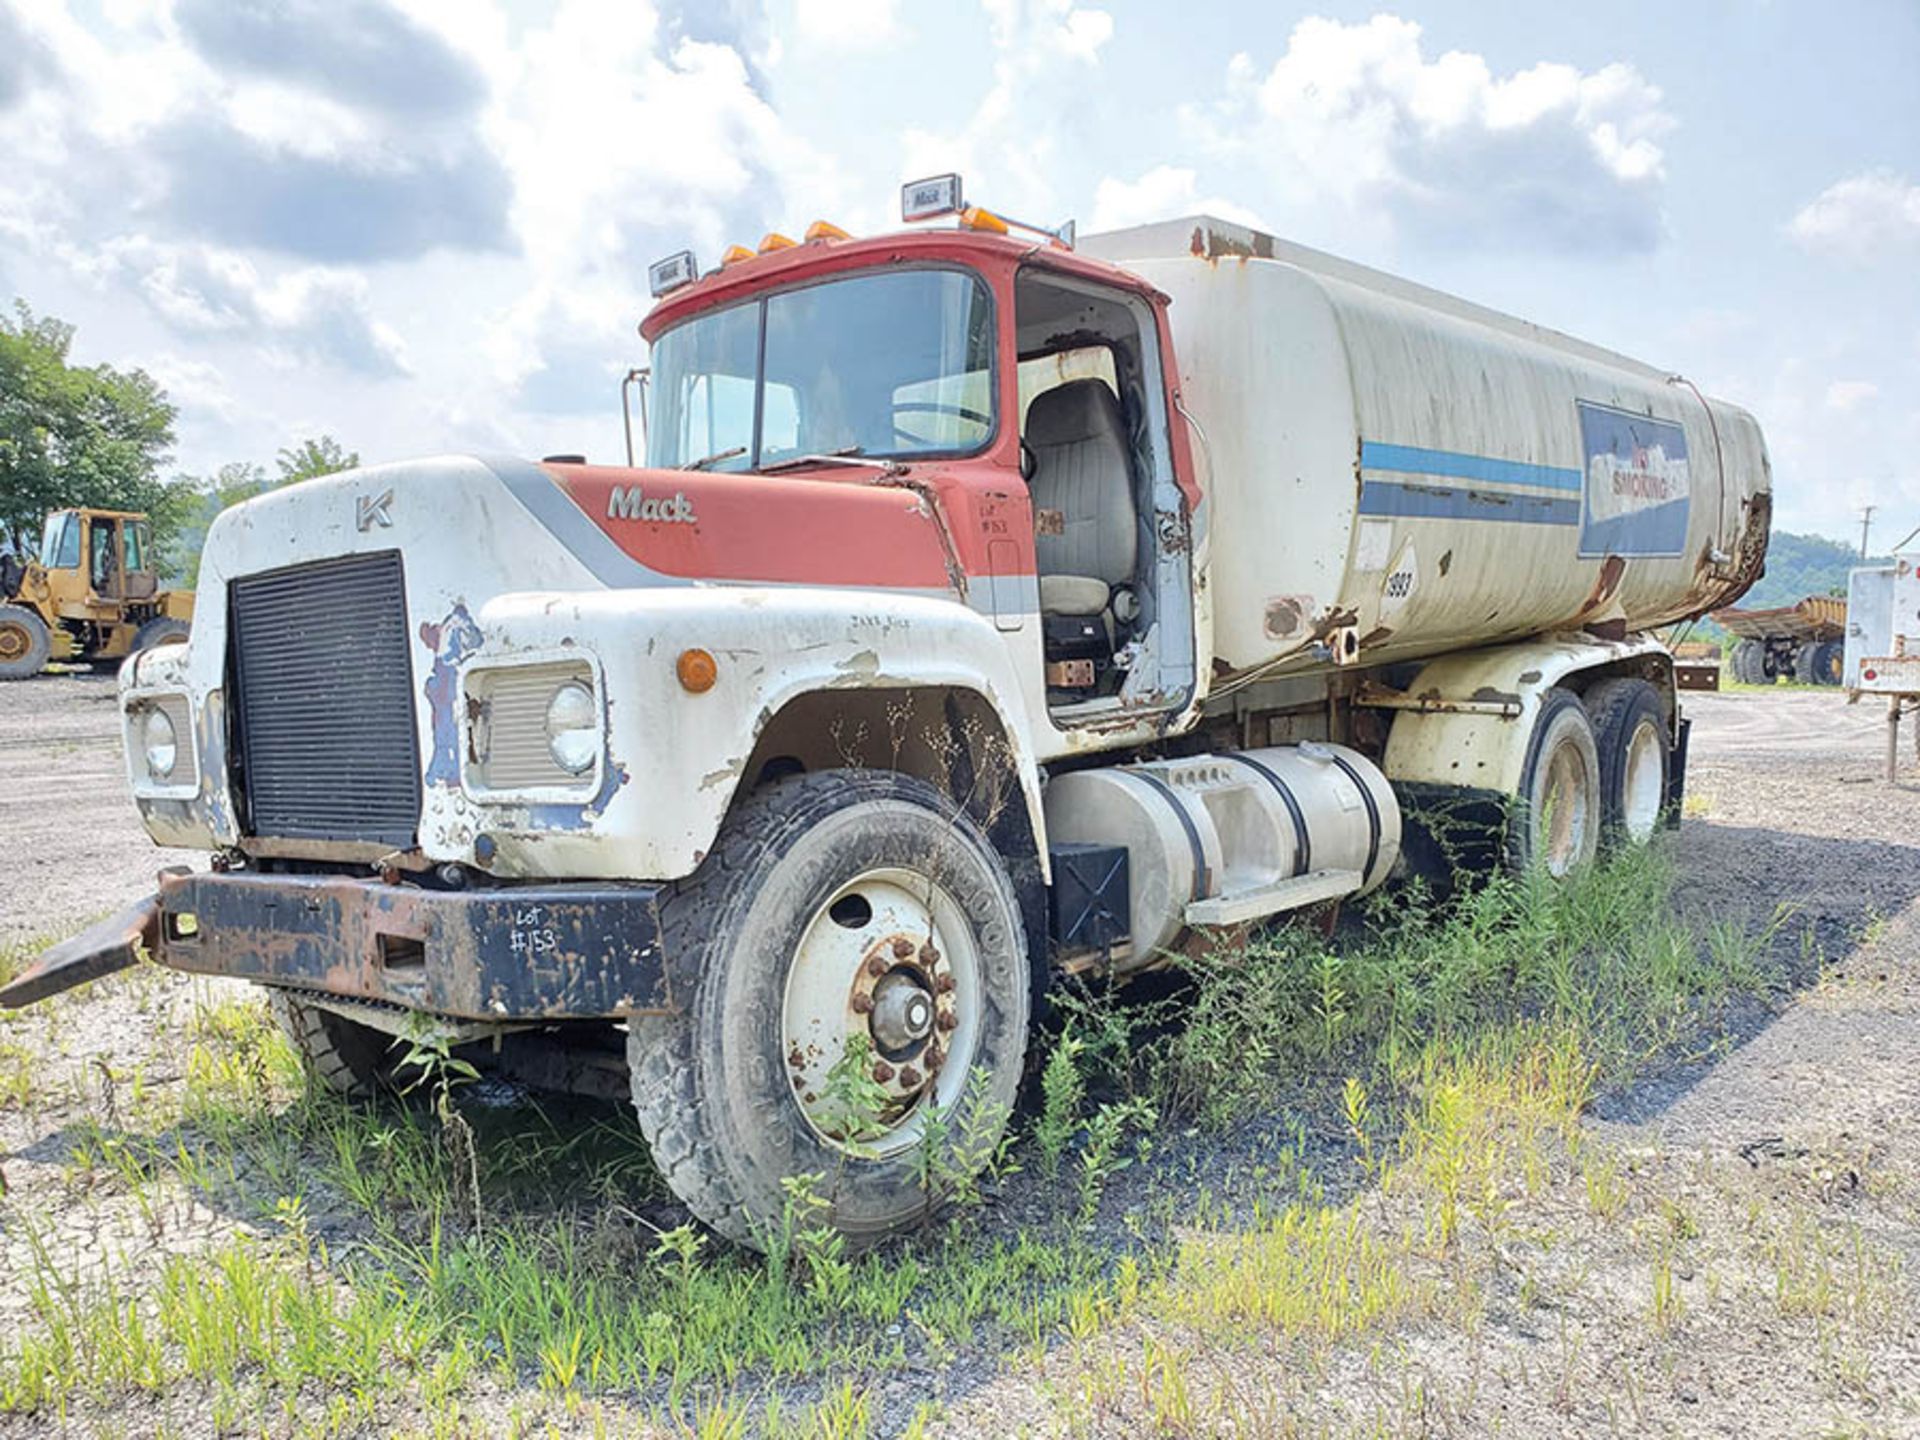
(91, 594)
(984, 609)
(1805, 641)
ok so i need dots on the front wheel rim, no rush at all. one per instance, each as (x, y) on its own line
(15, 642)
(889, 959)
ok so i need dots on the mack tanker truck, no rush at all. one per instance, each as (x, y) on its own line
(984, 608)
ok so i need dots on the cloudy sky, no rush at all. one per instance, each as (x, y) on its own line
(424, 224)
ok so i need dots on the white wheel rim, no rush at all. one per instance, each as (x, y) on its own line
(897, 952)
(1568, 798)
(1644, 783)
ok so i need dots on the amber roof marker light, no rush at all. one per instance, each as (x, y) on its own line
(939, 195)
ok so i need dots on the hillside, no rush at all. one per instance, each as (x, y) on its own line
(1801, 565)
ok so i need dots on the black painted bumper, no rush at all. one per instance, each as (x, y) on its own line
(547, 952)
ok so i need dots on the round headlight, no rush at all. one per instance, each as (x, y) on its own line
(159, 742)
(573, 730)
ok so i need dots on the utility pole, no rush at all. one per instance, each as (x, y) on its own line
(1866, 520)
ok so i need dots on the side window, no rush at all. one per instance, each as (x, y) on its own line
(1044, 372)
(136, 549)
(105, 563)
(61, 548)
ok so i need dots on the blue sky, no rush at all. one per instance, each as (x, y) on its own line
(423, 225)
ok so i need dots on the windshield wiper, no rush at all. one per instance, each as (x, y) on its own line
(714, 459)
(850, 455)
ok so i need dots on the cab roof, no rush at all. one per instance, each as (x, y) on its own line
(811, 259)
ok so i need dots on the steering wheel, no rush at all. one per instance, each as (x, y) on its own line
(933, 407)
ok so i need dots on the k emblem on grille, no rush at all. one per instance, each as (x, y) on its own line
(371, 510)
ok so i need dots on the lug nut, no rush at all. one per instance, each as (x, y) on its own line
(877, 966)
(910, 1077)
(933, 1059)
(882, 1072)
(944, 985)
(929, 954)
(948, 1020)
(862, 1003)
(902, 947)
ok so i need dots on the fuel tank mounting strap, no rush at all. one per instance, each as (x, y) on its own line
(1373, 815)
(1202, 879)
(1302, 841)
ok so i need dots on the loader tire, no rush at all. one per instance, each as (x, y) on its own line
(25, 643)
(1630, 733)
(826, 898)
(1556, 814)
(163, 631)
(346, 1057)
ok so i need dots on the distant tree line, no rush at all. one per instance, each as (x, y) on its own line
(73, 435)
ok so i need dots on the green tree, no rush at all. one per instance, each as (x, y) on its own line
(78, 435)
(309, 459)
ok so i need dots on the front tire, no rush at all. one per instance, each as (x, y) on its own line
(1556, 820)
(25, 643)
(839, 908)
(343, 1055)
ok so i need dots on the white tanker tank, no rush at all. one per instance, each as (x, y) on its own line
(1395, 473)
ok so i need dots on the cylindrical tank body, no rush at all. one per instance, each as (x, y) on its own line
(1406, 473)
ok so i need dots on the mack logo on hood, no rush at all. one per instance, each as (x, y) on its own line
(627, 503)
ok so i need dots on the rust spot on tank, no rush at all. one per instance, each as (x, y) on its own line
(1446, 563)
(1488, 695)
(1283, 616)
(1214, 245)
(1334, 620)
(1530, 677)
(1608, 629)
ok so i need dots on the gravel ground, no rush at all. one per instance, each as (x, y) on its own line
(74, 846)
(1811, 1103)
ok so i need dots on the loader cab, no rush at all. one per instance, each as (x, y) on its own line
(1114, 579)
(96, 558)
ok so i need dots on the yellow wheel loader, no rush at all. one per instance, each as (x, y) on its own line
(91, 594)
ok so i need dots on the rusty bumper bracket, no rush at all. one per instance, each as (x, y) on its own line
(102, 948)
(542, 952)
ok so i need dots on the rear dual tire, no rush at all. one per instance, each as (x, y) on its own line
(1594, 777)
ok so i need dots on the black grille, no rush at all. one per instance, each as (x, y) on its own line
(322, 689)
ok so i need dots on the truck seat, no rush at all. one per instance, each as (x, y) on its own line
(1086, 530)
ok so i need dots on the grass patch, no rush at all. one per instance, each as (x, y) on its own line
(1451, 1048)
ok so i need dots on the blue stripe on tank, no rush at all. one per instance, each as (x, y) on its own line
(1413, 460)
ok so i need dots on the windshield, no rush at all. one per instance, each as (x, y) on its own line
(897, 364)
(60, 545)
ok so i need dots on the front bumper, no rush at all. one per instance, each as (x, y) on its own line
(546, 952)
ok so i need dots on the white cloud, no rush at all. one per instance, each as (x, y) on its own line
(1357, 116)
(1845, 395)
(309, 314)
(846, 24)
(1861, 217)
(1162, 193)
(1012, 143)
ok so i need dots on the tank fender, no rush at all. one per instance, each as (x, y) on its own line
(675, 760)
(1467, 717)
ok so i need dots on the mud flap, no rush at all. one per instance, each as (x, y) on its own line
(112, 944)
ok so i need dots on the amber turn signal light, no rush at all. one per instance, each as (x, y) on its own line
(697, 670)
